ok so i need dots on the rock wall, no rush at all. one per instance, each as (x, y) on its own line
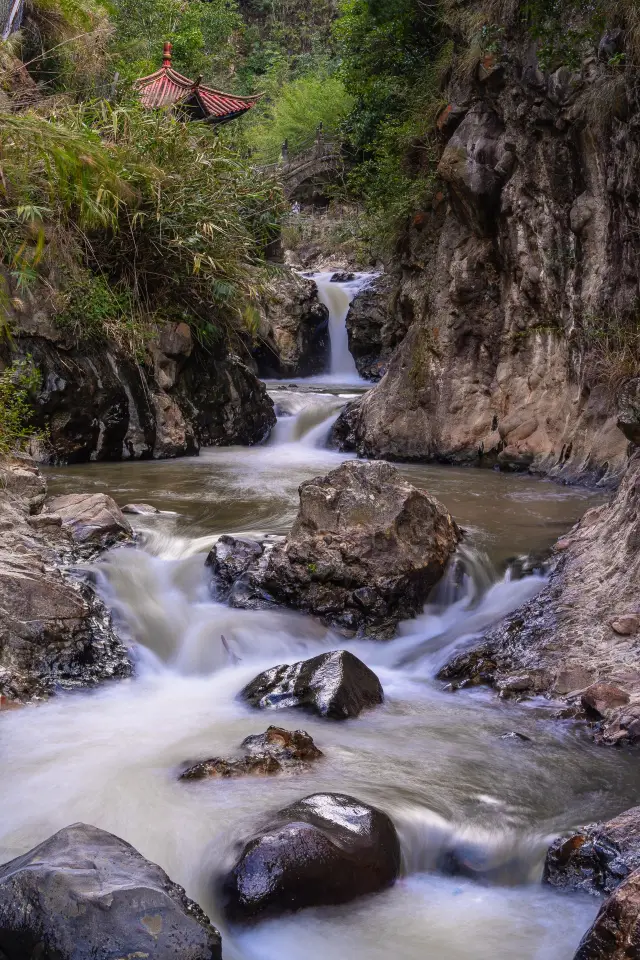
(99, 402)
(54, 630)
(530, 238)
(580, 638)
(293, 336)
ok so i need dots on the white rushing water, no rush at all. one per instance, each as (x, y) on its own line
(337, 297)
(434, 760)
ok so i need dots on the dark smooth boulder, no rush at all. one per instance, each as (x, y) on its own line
(597, 857)
(324, 849)
(271, 752)
(231, 557)
(85, 894)
(615, 933)
(335, 685)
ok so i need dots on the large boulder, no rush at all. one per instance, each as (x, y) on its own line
(374, 329)
(93, 519)
(294, 335)
(273, 751)
(335, 685)
(597, 857)
(54, 629)
(615, 933)
(324, 849)
(364, 551)
(84, 894)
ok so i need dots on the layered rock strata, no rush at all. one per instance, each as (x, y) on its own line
(55, 632)
(519, 279)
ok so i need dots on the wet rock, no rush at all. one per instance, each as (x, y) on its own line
(373, 329)
(596, 858)
(84, 893)
(342, 276)
(335, 685)
(471, 668)
(515, 735)
(601, 698)
(141, 509)
(325, 849)
(91, 518)
(364, 551)
(293, 335)
(271, 752)
(628, 405)
(231, 557)
(615, 933)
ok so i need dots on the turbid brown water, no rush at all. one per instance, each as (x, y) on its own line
(435, 761)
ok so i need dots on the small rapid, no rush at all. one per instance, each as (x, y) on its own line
(474, 809)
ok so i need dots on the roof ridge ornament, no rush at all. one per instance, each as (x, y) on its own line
(191, 98)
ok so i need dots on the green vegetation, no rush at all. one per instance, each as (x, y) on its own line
(612, 348)
(18, 386)
(163, 214)
(301, 106)
(204, 36)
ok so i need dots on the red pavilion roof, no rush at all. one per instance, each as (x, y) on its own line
(167, 87)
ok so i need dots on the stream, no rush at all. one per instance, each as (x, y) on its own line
(434, 760)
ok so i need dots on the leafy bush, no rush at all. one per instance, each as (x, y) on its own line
(295, 114)
(18, 386)
(162, 211)
(202, 34)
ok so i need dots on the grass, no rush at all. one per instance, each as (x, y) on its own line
(612, 349)
(140, 212)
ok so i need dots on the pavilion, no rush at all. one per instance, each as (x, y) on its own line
(168, 88)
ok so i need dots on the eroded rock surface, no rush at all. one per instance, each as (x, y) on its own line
(364, 551)
(274, 751)
(335, 685)
(374, 328)
(84, 893)
(324, 849)
(54, 630)
(530, 233)
(597, 857)
(294, 336)
(91, 518)
(97, 403)
(578, 638)
(615, 934)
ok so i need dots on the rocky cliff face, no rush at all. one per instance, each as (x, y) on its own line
(294, 335)
(579, 639)
(530, 243)
(54, 630)
(99, 402)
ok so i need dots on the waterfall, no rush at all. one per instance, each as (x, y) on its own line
(337, 297)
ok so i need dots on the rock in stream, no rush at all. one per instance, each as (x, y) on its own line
(85, 894)
(363, 553)
(273, 751)
(324, 849)
(336, 685)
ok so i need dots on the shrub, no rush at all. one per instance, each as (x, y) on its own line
(18, 386)
(162, 212)
(296, 112)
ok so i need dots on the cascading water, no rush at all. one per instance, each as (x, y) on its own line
(337, 297)
(464, 800)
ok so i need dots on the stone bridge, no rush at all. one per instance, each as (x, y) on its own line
(320, 162)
